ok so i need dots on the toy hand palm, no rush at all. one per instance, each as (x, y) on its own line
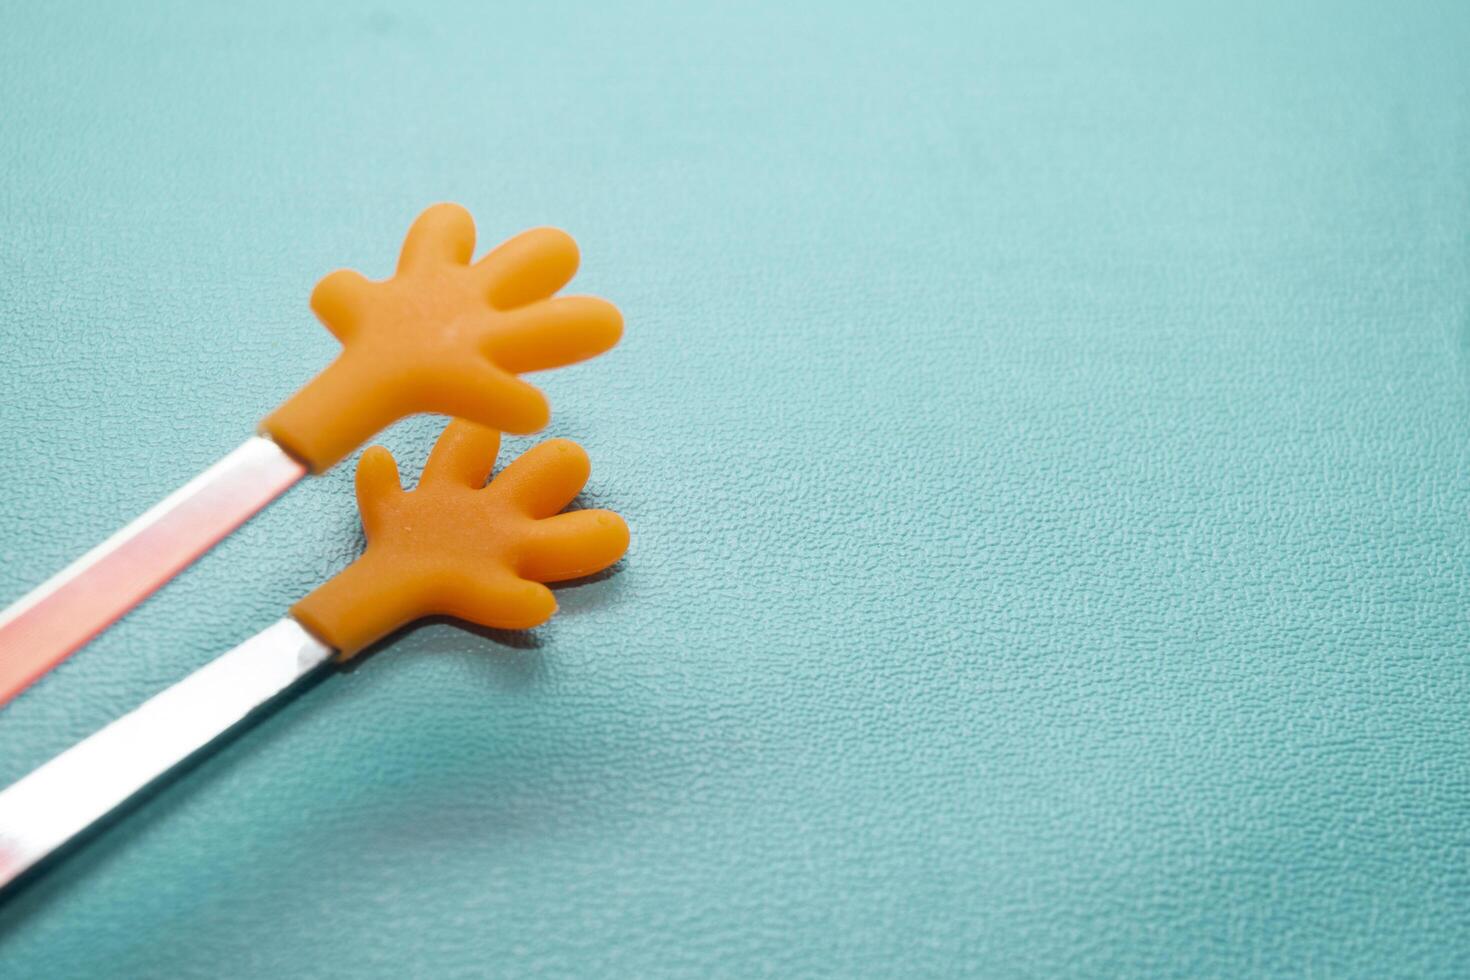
(454, 546)
(446, 336)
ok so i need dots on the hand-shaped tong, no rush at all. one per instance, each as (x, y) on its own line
(443, 335)
(452, 546)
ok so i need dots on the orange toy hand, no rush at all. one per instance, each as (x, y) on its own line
(444, 335)
(454, 546)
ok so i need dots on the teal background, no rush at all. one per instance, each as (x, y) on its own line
(1043, 428)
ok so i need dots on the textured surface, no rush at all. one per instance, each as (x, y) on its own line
(1044, 432)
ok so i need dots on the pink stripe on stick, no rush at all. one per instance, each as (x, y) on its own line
(46, 626)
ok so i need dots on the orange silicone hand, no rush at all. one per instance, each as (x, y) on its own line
(444, 336)
(454, 546)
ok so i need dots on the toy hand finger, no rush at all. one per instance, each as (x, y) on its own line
(500, 602)
(445, 233)
(464, 454)
(555, 332)
(377, 483)
(528, 267)
(483, 393)
(572, 545)
(544, 479)
(340, 300)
